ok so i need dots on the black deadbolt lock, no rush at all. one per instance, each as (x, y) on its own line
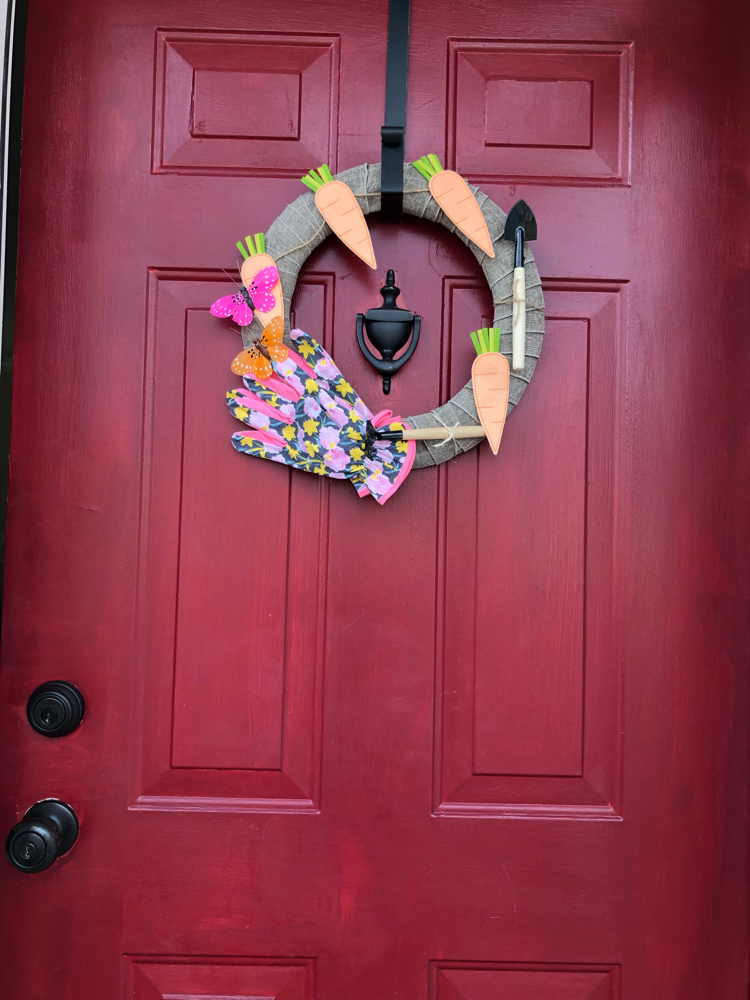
(56, 708)
(388, 329)
(48, 830)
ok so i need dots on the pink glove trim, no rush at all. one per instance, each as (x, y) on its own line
(386, 417)
(383, 417)
(266, 437)
(260, 406)
(282, 388)
(411, 453)
(276, 384)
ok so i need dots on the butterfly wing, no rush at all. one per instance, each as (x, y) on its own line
(274, 332)
(260, 287)
(234, 306)
(251, 361)
(242, 314)
(272, 340)
(223, 306)
(263, 281)
(278, 353)
(264, 301)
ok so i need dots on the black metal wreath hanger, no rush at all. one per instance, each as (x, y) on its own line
(389, 327)
(393, 132)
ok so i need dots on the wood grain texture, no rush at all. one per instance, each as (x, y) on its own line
(308, 767)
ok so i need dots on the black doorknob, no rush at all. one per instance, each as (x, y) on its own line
(48, 830)
(56, 708)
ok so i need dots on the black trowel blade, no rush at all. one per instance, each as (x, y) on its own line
(520, 216)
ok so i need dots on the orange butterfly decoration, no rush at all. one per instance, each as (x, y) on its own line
(256, 359)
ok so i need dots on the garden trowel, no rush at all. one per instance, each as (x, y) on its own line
(519, 226)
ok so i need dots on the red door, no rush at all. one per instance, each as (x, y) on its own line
(487, 742)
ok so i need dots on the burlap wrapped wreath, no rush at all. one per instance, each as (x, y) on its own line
(300, 229)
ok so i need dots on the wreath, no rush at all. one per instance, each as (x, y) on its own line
(296, 405)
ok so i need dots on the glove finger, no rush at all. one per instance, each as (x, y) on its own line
(288, 378)
(324, 367)
(348, 395)
(293, 373)
(337, 410)
(275, 383)
(312, 352)
(260, 403)
(262, 445)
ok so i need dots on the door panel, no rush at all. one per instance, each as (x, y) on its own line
(513, 730)
(232, 677)
(244, 103)
(488, 741)
(172, 978)
(498, 982)
(558, 112)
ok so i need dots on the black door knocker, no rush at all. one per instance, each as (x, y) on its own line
(388, 329)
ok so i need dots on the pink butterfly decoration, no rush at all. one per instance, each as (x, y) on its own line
(256, 297)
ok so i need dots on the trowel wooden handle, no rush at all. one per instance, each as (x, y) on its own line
(434, 433)
(519, 318)
(440, 433)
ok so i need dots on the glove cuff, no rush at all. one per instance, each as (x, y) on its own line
(380, 420)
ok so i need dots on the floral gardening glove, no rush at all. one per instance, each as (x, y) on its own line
(308, 416)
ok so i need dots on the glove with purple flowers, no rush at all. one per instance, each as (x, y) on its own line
(308, 416)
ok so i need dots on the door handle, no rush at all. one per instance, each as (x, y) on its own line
(48, 830)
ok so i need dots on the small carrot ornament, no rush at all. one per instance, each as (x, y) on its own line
(256, 260)
(490, 376)
(455, 197)
(337, 204)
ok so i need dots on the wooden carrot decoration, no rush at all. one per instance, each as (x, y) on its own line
(454, 196)
(490, 376)
(338, 206)
(256, 260)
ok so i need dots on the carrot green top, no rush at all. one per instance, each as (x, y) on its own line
(315, 179)
(486, 340)
(428, 166)
(259, 246)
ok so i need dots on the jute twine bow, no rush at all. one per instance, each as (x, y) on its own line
(451, 434)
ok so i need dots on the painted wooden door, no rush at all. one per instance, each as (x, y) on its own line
(486, 742)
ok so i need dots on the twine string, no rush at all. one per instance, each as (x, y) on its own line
(302, 246)
(451, 434)
(505, 301)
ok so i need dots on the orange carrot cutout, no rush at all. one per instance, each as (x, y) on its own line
(490, 375)
(338, 206)
(454, 196)
(255, 261)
